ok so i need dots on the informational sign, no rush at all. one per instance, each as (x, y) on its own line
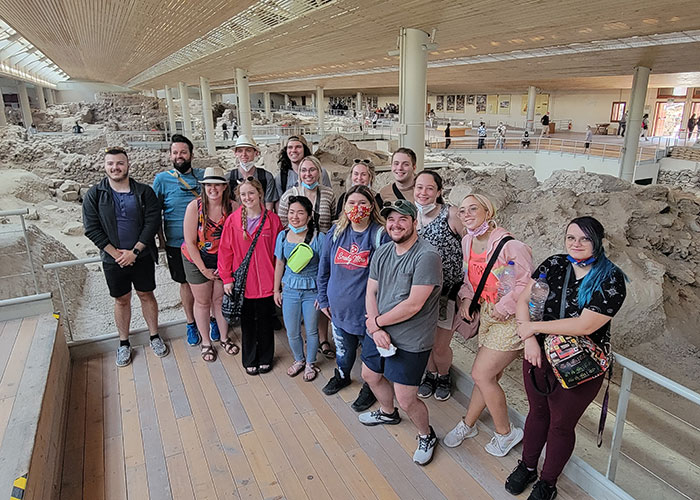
(503, 104)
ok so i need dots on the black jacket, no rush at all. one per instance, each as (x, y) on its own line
(101, 224)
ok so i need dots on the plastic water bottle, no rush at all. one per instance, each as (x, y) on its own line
(507, 281)
(540, 292)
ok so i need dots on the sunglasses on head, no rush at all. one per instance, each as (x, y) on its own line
(397, 204)
(366, 162)
(243, 181)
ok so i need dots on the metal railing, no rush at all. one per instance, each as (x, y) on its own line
(21, 214)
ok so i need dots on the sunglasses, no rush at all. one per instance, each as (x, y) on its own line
(397, 204)
(366, 162)
(247, 179)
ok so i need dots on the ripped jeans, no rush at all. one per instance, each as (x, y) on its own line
(345, 349)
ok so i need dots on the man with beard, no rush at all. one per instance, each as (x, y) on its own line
(403, 294)
(295, 150)
(403, 168)
(247, 152)
(175, 188)
(121, 217)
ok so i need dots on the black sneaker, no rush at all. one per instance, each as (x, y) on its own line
(520, 478)
(443, 388)
(427, 386)
(543, 491)
(426, 446)
(365, 399)
(336, 383)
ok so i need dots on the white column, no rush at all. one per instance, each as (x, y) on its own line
(49, 96)
(319, 110)
(40, 97)
(531, 94)
(413, 67)
(313, 101)
(358, 104)
(268, 105)
(171, 110)
(3, 117)
(185, 109)
(207, 116)
(246, 124)
(638, 96)
(24, 105)
(286, 100)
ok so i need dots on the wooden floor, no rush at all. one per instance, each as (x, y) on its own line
(180, 428)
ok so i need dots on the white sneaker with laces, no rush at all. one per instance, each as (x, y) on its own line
(501, 444)
(461, 432)
(426, 446)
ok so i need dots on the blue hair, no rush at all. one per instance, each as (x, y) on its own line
(602, 269)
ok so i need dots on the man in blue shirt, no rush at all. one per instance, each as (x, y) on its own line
(175, 189)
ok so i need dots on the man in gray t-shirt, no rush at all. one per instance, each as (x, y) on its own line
(403, 293)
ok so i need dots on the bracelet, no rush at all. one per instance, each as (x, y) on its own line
(376, 322)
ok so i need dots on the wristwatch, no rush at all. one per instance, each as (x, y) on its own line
(136, 251)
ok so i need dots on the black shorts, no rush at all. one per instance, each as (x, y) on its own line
(404, 367)
(142, 275)
(177, 270)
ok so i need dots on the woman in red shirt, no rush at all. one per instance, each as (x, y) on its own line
(257, 330)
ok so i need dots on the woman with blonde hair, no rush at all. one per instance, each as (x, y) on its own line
(361, 173)
(239, 233)
(499, 344)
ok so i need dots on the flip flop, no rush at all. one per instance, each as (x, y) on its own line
(328, 352)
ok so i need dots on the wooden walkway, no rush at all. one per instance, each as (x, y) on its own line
(180, 428)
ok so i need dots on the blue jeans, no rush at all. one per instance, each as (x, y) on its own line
(296, 303)
(346, 349)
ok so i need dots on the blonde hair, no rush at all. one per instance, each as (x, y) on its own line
(344, 222)
(244, 211)
(487, 205)
(370, 170)
(316, 162)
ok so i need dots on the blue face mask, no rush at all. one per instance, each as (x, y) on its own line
(297, 230)
(310, 186)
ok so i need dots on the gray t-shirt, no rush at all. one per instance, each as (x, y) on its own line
(395, 275)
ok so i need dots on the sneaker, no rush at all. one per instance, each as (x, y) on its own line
(427, 386)
(500, 445)
(443, 388)
(426, 447)
(336, 383)
(520, 478)
(461, 432)
(193, 337)
(365, 399)
(123, 355)
(378, 417)
(543, 491)
(159, 347)
(214, 332)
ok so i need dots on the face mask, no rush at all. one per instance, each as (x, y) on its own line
(247, 165)
(183, 167)
(358, 213)
(297, 230)
(479, 230)
(424, 209)
(580, 263)
(310, 186)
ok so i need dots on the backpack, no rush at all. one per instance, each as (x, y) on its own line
(260, 174)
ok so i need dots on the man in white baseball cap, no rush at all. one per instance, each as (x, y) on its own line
(247, 152)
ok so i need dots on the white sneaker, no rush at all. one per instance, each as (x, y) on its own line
(500, 445)
(461, 432)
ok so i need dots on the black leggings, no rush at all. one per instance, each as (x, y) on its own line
(257, 331)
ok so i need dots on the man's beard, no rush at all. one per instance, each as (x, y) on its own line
(406, 236)
(183, 167)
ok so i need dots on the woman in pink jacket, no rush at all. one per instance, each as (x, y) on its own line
(499, 344)
(257, 330)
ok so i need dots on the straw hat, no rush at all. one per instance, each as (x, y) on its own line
(245, 141)
(214, 175)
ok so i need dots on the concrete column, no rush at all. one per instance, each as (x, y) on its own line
(246, 123)
(27, 119)
(313, 101)
(40, 97)
(3, 117)
(171, 110)
(286, 100)
(185, 109)
(49, 96)
(319, 110)
(268, 105)
(413, 67)
(638, 96)
(207, 116)
(359, 104)
(531, 94)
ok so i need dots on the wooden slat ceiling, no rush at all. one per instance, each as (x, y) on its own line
(116, 41)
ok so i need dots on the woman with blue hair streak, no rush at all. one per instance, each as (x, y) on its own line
(593, 290)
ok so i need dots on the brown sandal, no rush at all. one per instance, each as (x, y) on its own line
(229, 347)
(310, 372)
(296, 368)
(208, 353)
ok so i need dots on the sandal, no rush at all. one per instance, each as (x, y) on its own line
(310, 372)
(251, 370)
(229, 347)
(264, 368)
(328, 352)
(208, 353)
(296, 368)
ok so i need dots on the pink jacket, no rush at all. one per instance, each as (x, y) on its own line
(233, 247)
(514, 250)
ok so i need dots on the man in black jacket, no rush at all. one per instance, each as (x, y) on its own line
(121, 217)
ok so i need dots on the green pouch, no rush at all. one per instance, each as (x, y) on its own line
(300, 257)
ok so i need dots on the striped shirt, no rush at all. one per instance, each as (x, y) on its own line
(324, 207)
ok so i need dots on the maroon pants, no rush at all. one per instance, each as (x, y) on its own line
(552, 419)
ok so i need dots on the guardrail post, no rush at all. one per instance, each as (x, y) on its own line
(63, 304)
(29, 253)
(620, 417)
(605, 145)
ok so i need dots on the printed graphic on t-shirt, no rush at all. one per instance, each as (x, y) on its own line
(352, 258)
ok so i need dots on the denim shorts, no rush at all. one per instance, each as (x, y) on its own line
(404, 367)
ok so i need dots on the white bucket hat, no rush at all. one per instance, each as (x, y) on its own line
(246, 141)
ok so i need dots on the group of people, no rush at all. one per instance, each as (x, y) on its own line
(394, 273)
